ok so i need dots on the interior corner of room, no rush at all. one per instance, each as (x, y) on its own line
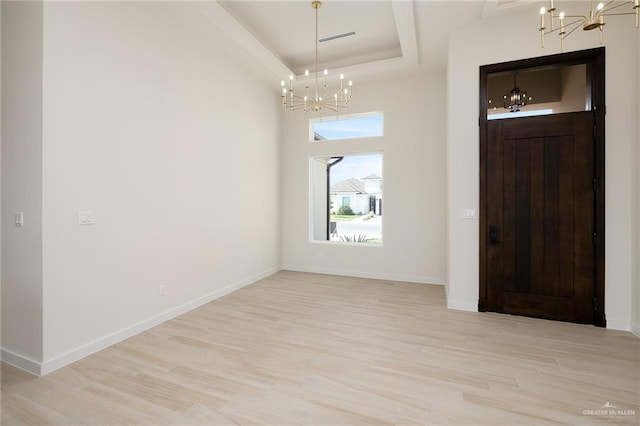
(148, 167)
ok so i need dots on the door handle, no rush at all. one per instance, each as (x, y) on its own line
(493, 234)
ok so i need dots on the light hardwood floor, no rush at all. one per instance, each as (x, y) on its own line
(322, 350)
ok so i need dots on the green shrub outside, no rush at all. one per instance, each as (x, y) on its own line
(345, 210)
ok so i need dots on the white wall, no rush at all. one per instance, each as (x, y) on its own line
(175, 147)
(1, 220)
(22, 180)
(488, 43)
(635, 282)
(414, 219)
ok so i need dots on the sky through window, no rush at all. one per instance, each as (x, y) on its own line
(348, 128)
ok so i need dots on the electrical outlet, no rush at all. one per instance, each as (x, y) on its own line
(403, 260)
(86, 217)
(468, 213)
(162, 289)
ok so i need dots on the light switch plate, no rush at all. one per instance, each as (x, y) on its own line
(86, 217)
(468, 213)
(19, 219)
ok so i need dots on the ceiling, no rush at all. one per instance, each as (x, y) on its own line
(389, 34)
(287, 29)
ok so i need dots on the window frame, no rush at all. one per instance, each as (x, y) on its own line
(325, 119)
(314, 211)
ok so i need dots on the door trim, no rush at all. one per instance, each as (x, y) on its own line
(595, 62)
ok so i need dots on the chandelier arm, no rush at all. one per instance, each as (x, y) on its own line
(301, 98)
(555, 30)
(330, 108)
(576, 16)
(606, 8)
(298, 107)
(333, 107)
(619, 14)
(571, 32)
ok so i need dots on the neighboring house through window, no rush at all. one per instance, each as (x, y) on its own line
(346, 189)
(362, 195)
(346, 198)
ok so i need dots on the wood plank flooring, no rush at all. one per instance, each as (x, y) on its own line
(299, 348)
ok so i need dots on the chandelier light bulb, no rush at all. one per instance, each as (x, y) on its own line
(600, 6)
(543, 10)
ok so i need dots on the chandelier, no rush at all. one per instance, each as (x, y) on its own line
(594, 20)
(516, 98)
(316, 99)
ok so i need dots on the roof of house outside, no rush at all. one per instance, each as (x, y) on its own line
(348, 185)
(373, 176)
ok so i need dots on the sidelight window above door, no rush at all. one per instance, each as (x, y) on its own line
(551, 89)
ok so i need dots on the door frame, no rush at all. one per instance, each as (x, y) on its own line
(594, 59)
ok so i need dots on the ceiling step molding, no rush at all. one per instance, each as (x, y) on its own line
(406, 26)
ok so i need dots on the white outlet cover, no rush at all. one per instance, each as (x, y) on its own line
(86, 217)
(468, 213)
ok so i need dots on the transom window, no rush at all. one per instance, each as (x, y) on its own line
(353, 126)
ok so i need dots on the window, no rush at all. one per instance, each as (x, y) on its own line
(497, 116)
(353, 126)
(346, 198)
(550, 89)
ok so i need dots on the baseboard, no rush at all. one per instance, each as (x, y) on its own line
(615, 324)
(635, 329)
(21, 362)
(462, 305)
(53, 364)
(418, 279)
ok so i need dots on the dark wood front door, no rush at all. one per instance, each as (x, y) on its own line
(540, 211)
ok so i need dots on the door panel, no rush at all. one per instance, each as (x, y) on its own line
(540, 198)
